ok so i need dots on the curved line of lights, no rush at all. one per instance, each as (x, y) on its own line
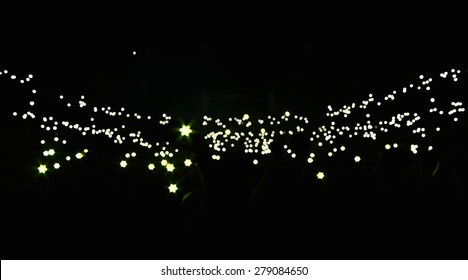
(251, 136)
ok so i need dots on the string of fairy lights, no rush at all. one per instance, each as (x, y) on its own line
(367, 120)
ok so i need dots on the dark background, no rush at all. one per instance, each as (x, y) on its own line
(94, 210)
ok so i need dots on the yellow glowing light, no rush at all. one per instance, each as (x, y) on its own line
(68, 158)
(79, 155)
(85, 151)
(163, 162)
(357, 158)
(310, 160)
(42, 168)
(170, 167)
(255, 162)
(173, 188)
(320, 175)
(57, 165)
(151, 166)
(388, 146)
(123, 164)
(185, 130)
(188, 162)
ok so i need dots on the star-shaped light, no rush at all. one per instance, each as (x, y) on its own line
(170, 167)
(173, 188)
(320, 175)
(123, 164)
(188, 162)
(42, 168)
(151, 166)
(185, 130)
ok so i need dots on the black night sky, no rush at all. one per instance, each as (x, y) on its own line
(393, 204)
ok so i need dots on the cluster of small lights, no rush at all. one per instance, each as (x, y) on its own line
(239, 133)
(252, 136)
(166, 119)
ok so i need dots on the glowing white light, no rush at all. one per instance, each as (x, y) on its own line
(79, 155)
(173, 188)
(387, 146)
(57, 165)
(357, 158)
(163, 162)
(187, 162)
(255, 162)
(320, 175)
(123, 164)
(42, 168)
(185, 130)
(170, 167)
(68, 158)
(151, 166)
